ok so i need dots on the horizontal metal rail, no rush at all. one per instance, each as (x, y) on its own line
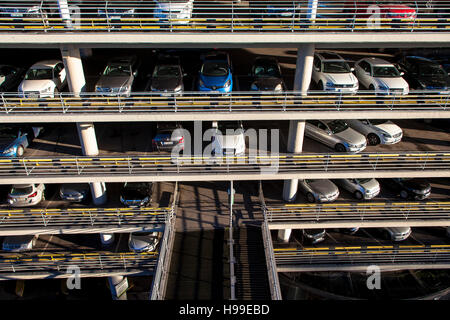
(367, 214)
(252, 167)
(25, 266)
(360, 257)
(80, 220)
(274, 104)
(224, 16)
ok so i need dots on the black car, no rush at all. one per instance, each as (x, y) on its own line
(136, 194)
(416, 189)
(167, 76)
(266, 75)
(424, 74)
(10, 77)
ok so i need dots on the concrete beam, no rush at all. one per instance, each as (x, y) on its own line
(313, 224)
(83, 274)
(285, 39)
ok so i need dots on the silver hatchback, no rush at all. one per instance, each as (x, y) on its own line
(319, 190)
(367, 188)
(336, 134)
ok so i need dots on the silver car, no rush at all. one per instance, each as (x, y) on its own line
(19, 243)
(336, 134)
(118, 77)
(314, 235)
(74, 192)
(25, 195)
(143, 241)
(377, 130)
(320, 190)
(367, 188)
(397, 233)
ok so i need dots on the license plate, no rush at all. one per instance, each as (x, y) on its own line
(16, 15)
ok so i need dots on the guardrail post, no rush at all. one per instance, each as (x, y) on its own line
(425, 162)
(339, 102)
(62, 102)
(175, 102)
(4, 103)
(393, 101)
(90, 217)
(43, 217)
(285, 101)
(25, 167)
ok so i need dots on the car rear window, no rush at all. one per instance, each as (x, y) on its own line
(18, 191)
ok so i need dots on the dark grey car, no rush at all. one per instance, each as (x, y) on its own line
(167, 76)
(266, 75)
(118, 77)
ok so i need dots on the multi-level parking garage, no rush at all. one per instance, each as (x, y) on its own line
(106, 139)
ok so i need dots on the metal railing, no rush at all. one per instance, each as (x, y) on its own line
(54, 264)
(81, 218)
(224, 16)
(136, 167)
(288, 101)
(398, 256)
(159, 282)
(316, 215)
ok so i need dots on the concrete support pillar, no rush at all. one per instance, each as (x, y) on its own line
(284, 234)
(74, 69)
(118, 286)
(303, 71)
(88, 140)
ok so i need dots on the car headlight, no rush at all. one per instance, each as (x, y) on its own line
(330, 84)
(386, 135)
(9, 150)
(279, 87)
(146, 199)
(125, 89)
(254, 87)
(201, 83)
(228, 83)
(177, 89)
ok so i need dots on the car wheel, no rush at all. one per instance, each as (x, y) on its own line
(20, 151)
(358, 195)
(373, 139)
(404, 194)
(310, 197)
(320, 85)
(340, 148)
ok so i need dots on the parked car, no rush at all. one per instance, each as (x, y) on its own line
(136, 194)
(366, 188)
(43, 79)
(143, 241)
(350, 231)
(266, 75)
(336, 134)
(381, 76)
(332, 73)
(115, 10)
(318, 190)
(216, 73)
(377, 130)
(74, 192)
(399, 14)
(21, 10)
(10, 77)
(19, 243)
(397, 233)
(26, 195)
(118, 76)
(228, 144)
(168, 136)
(314, 235)
(418, 189)
(424, 74)
(167, 76)
(174, 12)
(15, 139)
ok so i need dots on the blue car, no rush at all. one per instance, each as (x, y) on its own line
(14, 140)
(215, 74)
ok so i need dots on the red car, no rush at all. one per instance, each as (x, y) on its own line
(401, 14)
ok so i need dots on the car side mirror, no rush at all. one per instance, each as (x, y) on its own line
(352, 69)
(402, 73)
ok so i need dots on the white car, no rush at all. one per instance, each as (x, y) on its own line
(377, 131)
(26, 195)
(43, 79)
(367, 188)
(332, 73)
(175, 12)
(228, 143)
(381, 76)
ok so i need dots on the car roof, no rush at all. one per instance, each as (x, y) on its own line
(129, 59)
(219, 55)
(329, 56)
(420, 59)
(46, 63)
(376, 61)
(22, 185)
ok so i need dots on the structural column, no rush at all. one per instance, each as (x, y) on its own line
(119, 287)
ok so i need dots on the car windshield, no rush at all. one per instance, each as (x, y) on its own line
(8, 132)
(117, 70)
(385, 72)
(336, 67)
(144, 233)
(364, 180)
(337, 126)
(166, 71)
(39, 74)
(18, 191)
(431, 70)
(378, 121)
(214, 69)
(267, 71)
(136, 185)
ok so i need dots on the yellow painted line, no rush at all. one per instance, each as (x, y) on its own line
(346, 156)
(380, 247)
(146, 159)
(312, 249)
(440, 246)
(285, 249)
(416, 246)
(347, 248)
(6, 161)
(383, 155)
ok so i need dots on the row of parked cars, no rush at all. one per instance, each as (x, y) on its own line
(331, 73)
